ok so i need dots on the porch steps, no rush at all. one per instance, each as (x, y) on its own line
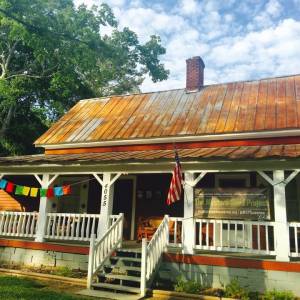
(121, 274)
(114, 287)
(108, 295)
(123, 277)
(123, 268)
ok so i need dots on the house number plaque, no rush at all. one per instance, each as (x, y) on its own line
(105, 195)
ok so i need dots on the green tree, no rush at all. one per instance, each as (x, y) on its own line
(52, 54)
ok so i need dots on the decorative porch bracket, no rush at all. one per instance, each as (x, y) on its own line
(45, 181)
(107, 183)
(279, 182)
(188, 218)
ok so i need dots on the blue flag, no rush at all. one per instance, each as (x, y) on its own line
(3, 184)
(58, 191)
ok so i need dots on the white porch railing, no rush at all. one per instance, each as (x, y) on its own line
(113, 219)
(175, 232)
(74, 227)
(18, 224)
(101, 249)
(151, 253)
(294, 239)
(235, 236)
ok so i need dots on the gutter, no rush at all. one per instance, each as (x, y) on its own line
(177, 139)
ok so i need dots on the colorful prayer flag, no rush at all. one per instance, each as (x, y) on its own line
(19, 190)
(3, 184)
(33, 192)
(58, 191)
(26, 190)
(10, 187)
(43, 192)
(50, 192)
(66, 189)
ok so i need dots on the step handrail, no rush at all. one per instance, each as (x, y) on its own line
(152, 252)
(101, 249)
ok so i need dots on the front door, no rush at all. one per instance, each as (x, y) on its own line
(123, 203)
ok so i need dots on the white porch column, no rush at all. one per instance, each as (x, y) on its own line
(107, 198)
(282, 241)
(188, 222)
(44, 208)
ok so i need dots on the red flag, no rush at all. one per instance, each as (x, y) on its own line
(10, 187)
(176, 182)
(50, 192)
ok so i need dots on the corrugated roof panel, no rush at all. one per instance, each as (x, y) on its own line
(224, 153)
(268, 104)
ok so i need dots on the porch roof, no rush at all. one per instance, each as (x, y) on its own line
(227, 153)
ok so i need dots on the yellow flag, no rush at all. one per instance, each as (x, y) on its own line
(34, 192)
(26, 190)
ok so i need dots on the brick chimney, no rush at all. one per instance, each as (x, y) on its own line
(194, 73)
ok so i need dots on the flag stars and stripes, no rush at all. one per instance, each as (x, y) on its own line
(175, 190)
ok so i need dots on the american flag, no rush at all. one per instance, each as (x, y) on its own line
(176, 182)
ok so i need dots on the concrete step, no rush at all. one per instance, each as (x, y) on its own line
(122, 277)
(108, 295)
(123, 267)
(124, 258)
(130, 250)
(116, 287)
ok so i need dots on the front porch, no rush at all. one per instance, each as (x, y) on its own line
(210, 236)
(140, 197)
(258, 222)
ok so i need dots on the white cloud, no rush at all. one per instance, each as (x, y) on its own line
(232, 50)
(188, 7)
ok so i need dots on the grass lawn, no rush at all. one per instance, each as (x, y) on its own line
(20, 288)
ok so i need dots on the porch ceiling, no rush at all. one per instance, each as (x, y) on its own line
(227, 153)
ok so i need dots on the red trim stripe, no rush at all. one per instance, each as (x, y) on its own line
(230, 262)
(45, 246)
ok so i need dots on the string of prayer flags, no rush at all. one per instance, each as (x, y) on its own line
(33, 191)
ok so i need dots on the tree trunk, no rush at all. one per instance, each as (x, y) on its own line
(7, 121)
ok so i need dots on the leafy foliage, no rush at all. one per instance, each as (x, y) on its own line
(235, 290)
(279, 295)
(52, 54)
(188, 286)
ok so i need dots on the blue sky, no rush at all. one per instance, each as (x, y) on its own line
(237, 39)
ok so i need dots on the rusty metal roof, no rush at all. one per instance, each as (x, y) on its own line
(268, 104)
(229, 153)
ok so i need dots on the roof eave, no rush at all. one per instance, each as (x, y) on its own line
(175, 139)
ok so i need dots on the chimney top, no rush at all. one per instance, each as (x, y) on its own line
(194, 73)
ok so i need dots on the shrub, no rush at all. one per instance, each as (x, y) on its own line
(188, 286)
(235, 290)
(278, 295)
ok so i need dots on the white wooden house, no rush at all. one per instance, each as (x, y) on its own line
(239, 146)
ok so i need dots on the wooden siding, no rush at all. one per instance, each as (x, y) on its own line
(8, 203)
(268, 104)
